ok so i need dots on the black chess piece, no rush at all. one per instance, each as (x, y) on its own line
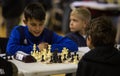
(69, 54)
(10, 58)
(64, 57)
(51, 61)
(59, 59)
(55, 56)
(77, 56)
(42, 60)
(72, 58)
(75, 53)
(6, 57)
(55, 59)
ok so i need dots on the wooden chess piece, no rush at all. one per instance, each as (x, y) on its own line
(42, 60)
(59, 59)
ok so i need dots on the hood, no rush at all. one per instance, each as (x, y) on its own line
(104, 55)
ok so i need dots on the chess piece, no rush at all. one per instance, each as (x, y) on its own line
(34, 47)
(69, 55)
(49, 54)
(72, 58)
(64, 59)
(75, 61)
(33, 53)
(42, 60)
(59, 59)
(51, 59)
(77, 57)
(75, 53)
(6, 57)
(10, 57)
(55, 55)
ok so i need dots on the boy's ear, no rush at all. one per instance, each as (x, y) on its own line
(89, 42)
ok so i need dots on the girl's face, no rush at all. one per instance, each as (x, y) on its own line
(35, 26)
(76, 24)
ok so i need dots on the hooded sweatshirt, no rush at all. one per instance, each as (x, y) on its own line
(101, 61)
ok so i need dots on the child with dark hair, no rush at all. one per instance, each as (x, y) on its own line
(103, 59)
(23, 38)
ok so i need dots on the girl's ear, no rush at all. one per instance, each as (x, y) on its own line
(25, 22)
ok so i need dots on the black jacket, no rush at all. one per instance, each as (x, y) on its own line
(101, 61)
(76, 37)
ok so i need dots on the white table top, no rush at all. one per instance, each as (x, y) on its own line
(41, 69)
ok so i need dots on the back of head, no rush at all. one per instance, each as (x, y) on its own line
(34, 10)
(82, 13)
(102, 32)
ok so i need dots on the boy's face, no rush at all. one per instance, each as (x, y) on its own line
(76, 24)
(35, 26)
(89, 42)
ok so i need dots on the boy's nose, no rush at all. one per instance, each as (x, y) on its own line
(37, 27)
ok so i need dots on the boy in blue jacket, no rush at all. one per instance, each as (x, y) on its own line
(22, 38)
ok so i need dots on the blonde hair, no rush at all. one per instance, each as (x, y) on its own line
(83, 13)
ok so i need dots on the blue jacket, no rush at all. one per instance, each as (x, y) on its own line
(80, 40)
(22, 40)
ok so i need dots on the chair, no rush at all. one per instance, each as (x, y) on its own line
(3, 44)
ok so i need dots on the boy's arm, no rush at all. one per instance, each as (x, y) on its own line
(14, 43)
(60, 42)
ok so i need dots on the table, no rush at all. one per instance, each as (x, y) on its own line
(41, 69)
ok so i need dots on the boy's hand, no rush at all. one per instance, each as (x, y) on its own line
(43, 45)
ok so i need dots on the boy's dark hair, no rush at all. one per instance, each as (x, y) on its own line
(102, 32)
(34, 10)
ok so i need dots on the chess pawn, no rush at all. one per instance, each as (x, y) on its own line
(55, 56)
(69, 55)
(77, 57)
(45, 54)
(64, 59)
(42, 60)
(49, 54)
(59, 59)
(49, 47)
(72, 58)
(75, 61)
(51, 59)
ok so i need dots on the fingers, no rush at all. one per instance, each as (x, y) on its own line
(43, 45)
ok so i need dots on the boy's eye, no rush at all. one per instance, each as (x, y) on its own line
(41, 24)
(33, 24)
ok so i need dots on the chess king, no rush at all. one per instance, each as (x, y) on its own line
(34, 32)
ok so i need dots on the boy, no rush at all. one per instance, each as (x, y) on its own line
(23, 37)
(103, 59)
(79, 19)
